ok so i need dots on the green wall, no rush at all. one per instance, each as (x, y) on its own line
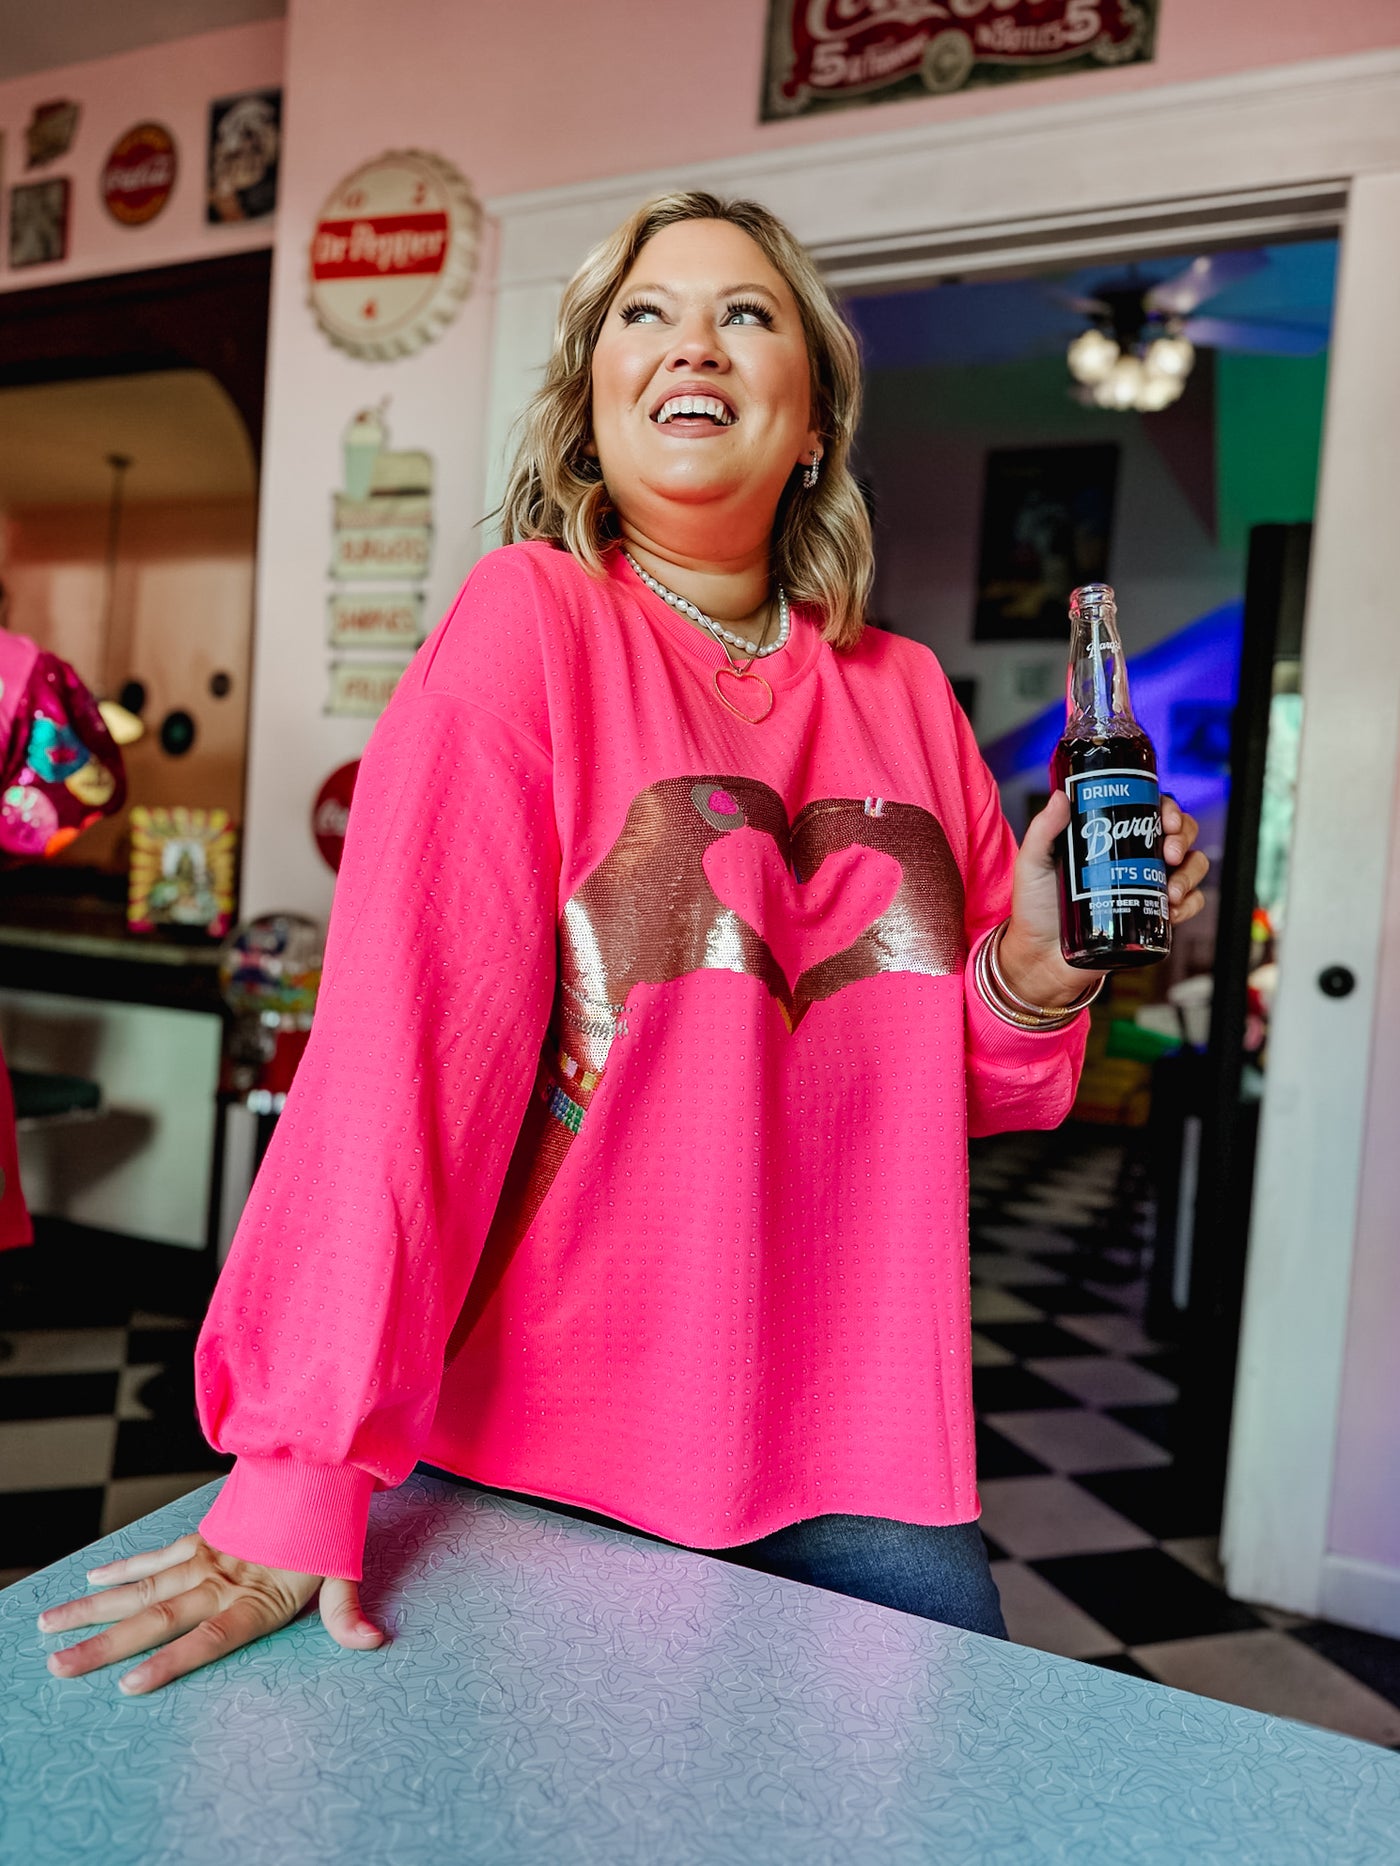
(1268, 438)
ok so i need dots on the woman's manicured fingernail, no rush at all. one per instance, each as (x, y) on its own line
(131, 1683)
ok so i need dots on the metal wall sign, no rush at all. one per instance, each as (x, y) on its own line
(245, 139)
(39, 217)
(50, 132)
(375, 619)
(377, 539)
(381, 534)
(330, 814)
(823, 54)
(362, 689)
(138, 177)
(393, 255)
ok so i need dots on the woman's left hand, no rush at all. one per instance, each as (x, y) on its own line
(1030, 949)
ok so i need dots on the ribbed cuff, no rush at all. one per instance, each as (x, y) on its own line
(282, 1513)
(996, 1039)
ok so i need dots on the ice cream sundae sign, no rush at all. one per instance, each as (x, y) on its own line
(824, 53)
(381, 535)
(393, 255)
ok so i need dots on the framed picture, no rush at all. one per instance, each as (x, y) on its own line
(245, 139)
(182, 870)
(965, 693)
(39, 222)
(1047, 516)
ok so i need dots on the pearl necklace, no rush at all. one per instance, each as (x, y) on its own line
(740, 672)
(722, 635)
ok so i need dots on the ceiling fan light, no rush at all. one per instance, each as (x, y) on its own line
(1157, 391)
(1171, 356)
(1119, 389)
(1091, 356)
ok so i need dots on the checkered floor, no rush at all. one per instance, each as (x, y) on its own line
(1099, 1550)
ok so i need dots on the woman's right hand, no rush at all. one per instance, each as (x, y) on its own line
(196, 1604)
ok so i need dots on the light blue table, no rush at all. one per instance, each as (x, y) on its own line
(564, 1694)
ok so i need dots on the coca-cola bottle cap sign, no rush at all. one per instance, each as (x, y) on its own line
(330, 814)
(138, 177)
(393, 255)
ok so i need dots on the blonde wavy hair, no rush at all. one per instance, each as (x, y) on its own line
(822, 551)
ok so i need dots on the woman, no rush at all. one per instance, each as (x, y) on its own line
(626, 1168)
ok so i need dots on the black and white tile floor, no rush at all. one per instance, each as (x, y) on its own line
(1102, 1550)
(1099, 1549)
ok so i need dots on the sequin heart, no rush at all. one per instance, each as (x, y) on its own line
(750, 696)
(801, 922)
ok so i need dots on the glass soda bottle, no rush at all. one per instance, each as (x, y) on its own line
(1114, 910)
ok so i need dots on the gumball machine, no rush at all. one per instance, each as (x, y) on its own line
(269, 972)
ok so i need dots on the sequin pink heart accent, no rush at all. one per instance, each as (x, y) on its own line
(801, 922)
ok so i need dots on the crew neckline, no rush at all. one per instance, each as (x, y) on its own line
(783, 669)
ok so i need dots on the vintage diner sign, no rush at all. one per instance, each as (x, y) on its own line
(362, 689)
(826, 53)
(375, 619)
(393, 254)
(138, 177)
(381, 539)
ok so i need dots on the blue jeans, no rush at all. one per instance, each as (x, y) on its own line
(939, 1572)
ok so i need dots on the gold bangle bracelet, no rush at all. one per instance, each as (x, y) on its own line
(1014, 1010)
(1085, 998)
(1001, 1007)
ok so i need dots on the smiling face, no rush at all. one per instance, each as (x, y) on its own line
(702, 396)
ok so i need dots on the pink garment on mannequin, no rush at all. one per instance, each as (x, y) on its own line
(59, 773)
(15, 1227)
(627, 1162)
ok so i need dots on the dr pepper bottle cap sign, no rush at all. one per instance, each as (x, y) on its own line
(138, 177)
(393, 255)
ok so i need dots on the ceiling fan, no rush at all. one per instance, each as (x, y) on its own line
(1139, 345)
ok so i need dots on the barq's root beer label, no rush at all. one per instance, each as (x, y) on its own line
(393, 255)
(1115, 838)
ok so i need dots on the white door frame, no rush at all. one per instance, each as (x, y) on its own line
(1265, 154)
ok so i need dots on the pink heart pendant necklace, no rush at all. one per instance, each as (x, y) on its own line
(740, 671)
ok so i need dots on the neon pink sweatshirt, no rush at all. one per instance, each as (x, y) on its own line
(627, 1162)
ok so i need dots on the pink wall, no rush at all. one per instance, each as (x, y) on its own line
(173, 84)
(617, 86)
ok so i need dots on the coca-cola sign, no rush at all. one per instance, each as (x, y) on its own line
(138, 177)
(826, 53)
(330, 814)
(392, 255)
